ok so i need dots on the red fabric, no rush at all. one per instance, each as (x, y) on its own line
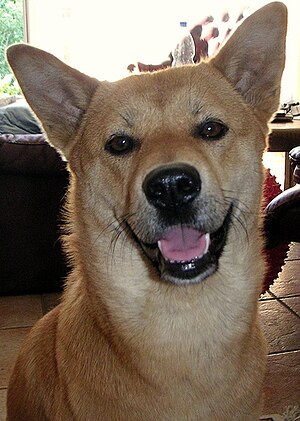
(275, 256)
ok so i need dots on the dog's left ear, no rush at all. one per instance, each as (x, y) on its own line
(58, 94)
(253, 58)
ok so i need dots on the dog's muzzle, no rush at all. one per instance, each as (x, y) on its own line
(185, 252)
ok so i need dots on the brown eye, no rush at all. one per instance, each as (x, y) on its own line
(120, 145)
(211, 130)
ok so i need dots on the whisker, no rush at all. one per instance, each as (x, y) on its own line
(121, 235)
(241, 216)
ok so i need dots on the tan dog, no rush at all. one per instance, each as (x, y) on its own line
(159, 317)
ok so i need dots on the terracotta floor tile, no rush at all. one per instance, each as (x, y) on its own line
(20, 311)
(282, 384)
(266, 296)
(288, 282)
(49, 301)
(294, 304)
(2, 404)
(294, 251)
(10, 343)
(281, 326)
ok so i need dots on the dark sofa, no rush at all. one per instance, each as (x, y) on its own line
(33, 183)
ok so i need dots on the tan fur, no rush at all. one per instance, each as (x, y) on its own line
(125, 345)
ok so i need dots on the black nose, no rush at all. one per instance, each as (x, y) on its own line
(173, 186)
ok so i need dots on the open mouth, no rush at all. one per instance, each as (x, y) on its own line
(185, 255)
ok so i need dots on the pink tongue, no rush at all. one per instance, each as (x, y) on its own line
(183, 244)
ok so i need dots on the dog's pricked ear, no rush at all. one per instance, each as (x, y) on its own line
(58, 94)
(253, 58)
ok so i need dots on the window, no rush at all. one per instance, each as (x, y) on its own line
(102, 38)
(12, 31)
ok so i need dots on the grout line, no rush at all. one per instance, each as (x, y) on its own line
(290, 351)
(284, 303)
(276, 297)
(16, 327)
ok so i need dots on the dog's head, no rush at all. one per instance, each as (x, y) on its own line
(173, 157)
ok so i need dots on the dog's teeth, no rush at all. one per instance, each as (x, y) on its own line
(207, 239)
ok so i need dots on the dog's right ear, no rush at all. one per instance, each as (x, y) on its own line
(253, 58)
(58, 94)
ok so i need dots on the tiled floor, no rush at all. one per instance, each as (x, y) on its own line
(280, 310)
(17, 316)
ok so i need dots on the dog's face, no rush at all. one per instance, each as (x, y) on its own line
(173, 157)
(177, 163)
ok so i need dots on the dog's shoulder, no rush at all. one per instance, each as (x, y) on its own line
(37, 361)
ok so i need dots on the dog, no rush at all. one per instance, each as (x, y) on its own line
(159, 316)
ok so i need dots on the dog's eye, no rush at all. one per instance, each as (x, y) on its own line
(211, 130)
(120, 145)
